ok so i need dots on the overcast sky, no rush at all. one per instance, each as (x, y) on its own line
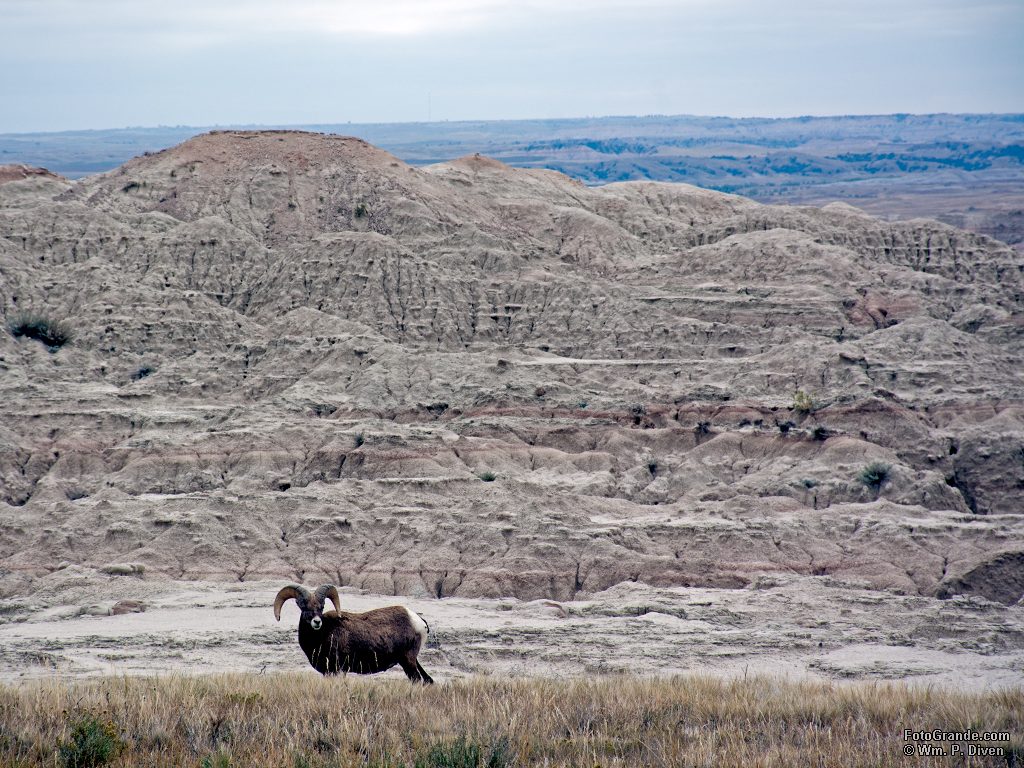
(68, 64)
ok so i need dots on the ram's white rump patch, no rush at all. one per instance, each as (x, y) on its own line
(419, 625)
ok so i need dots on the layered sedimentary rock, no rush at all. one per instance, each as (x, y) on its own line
(294, 356)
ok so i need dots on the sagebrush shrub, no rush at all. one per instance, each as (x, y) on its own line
(802, 402)
(94, 742)
(463, 753)
(53, 333)
(875, 474)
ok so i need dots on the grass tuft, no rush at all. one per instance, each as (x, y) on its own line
(488, 476)
(94, 742)
(802, 402)
(875, 474)
(53, 333)
(220, 760)
(464, 753)
(142, 372)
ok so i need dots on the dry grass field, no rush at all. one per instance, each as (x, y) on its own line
(303, 721)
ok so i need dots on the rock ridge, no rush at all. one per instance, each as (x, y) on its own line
(295, 356)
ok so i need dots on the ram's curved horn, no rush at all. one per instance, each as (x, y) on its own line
(331, 591)
(292, 591)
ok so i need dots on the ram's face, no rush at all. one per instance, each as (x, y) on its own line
(313, 617)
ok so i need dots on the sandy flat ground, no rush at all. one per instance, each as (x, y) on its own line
(801, 628)
(285, 355)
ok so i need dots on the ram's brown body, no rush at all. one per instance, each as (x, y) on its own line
(362, 642)
(337, 642)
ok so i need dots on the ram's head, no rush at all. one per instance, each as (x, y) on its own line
(310, 603)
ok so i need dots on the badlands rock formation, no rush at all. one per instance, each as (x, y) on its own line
(296, 357)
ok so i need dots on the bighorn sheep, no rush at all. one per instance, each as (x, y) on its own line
(337, 641)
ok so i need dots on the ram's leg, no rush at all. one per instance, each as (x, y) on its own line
(409, 666)
(427, 679)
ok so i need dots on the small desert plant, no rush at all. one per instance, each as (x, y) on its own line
(652, 467)
(802, 402)
(53, 333)
(463, 753)
(488, 477)
(809, 482)
(820, 433)
(785, 426)
(581, 404)
(360, 439)
(220, 760)
(142, 372)
(361, 210)
(875, 474)
(702, 428)
(94, 742)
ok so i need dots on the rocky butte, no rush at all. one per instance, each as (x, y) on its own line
(294, 357)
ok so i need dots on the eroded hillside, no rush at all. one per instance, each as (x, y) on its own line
(295, 356)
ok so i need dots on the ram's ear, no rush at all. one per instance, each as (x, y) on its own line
(292, 592)
(328, 591)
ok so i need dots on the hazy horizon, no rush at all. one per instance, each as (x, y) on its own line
(133, 63)
(472, 120)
